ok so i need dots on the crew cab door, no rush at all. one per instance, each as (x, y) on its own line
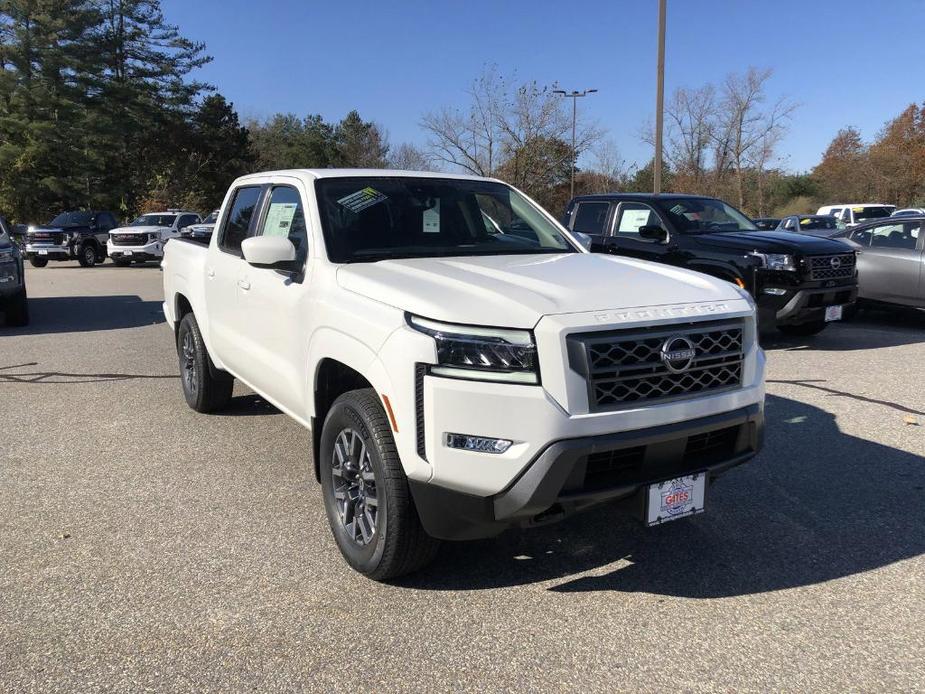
(273, 305)
(624, 238)
(225, 268)
(890, 262)
(592, 217)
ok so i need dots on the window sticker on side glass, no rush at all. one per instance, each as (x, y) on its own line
(359, 201)
(432, 219)
(279, 219)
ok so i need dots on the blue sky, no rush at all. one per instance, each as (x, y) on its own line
(846, 62)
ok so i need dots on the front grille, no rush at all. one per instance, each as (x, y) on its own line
(129, 239)
(831, 267)
(41, 238)
(626, 367)
(711, 445)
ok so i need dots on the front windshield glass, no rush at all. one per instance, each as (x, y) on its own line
(820, 223)
(864, 213)
(379, 218)
(154, 220)
(697, 215)
(71, 218)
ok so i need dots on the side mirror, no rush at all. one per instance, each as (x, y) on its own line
(653, 232)
(583, 239)
(271, 252)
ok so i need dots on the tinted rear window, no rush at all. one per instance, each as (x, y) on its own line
(863, 213)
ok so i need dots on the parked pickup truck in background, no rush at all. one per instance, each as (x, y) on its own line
(800, 283)
(79, 235)
(463, 363)
(144, 238)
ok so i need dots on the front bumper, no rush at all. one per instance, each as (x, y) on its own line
(574, 474)
(36, 250)
(150, 251)
(802, 305)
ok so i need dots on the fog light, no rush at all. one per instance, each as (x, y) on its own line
(480, 444)
(774, 291)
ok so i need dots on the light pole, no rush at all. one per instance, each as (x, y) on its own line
(659, 100)
(573, 95)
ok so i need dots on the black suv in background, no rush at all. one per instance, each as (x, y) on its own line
(13, 301)
(800, 283)
(79, 235)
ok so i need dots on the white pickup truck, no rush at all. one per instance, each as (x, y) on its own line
(464, 364)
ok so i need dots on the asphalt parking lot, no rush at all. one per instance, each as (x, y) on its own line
(147, 547)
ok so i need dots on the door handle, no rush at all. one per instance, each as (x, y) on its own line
(244, 284)
(210, 273)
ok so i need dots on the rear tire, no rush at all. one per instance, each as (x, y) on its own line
(38, 262)
(87, 255)
(204, 392)
(17, 309)
(366, 494)
(803, 329)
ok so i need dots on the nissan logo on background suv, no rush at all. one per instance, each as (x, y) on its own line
(835, 262)
(677, 354)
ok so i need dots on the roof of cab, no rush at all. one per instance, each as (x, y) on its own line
(315, 174)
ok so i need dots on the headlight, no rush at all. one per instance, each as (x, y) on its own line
(488, 354)
(776, 261)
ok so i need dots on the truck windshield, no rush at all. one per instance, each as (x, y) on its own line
(154, 220)
(864, 213)
(71, 219)
(705, 215)
(366, 219)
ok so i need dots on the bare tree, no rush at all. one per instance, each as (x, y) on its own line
(690, 116)
(410, 158)
(747, 132)
(469, 138)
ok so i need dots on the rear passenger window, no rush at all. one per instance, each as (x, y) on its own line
(285, 217)
(591, 217)
(238, 221)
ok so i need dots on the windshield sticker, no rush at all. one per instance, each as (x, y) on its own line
(359, 201)
(857, 209)
(279, 218)
(432, 219)
(805, 221)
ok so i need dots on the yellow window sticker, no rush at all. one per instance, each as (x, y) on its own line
(857, 209)
(359, 201)
(805, 221)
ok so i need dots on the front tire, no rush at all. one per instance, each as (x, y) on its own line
(38, 262)
(204, 392)
(87, 256)
(803, 329)
(17, 309)
(365, 490)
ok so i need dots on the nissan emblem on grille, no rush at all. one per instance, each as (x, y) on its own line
(677, 354)
(835, 262)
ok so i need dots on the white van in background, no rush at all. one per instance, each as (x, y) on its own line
(852, 213)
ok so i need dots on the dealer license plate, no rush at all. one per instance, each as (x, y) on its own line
(677, 498)
(833, 313)
(43, 252)
(126, 252)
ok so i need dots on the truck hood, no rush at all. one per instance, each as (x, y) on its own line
(138, 230)
(516, 291)
(771, 242)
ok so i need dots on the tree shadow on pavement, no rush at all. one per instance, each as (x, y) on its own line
(73, 314)
(816, 505)
(873, 328)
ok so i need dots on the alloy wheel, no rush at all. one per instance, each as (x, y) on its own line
(354, 486)
(188, 362)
